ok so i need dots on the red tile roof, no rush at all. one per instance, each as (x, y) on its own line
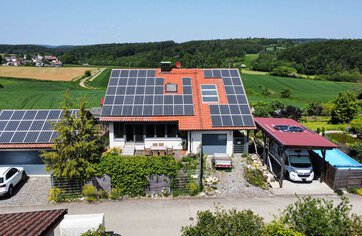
(307, 138)
(26, 146)
(32, 223)
(201, 120)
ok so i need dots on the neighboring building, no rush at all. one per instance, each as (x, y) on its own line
(181, 109)
(31, 223)
(24, 134)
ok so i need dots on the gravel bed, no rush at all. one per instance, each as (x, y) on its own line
(32, 192)
(232, 183)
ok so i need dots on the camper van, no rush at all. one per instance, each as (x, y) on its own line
(298, 165)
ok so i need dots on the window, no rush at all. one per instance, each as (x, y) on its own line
(150, 131)
(171, 130)
(160, 131)
(118, 130)
(171, 88)
(209, 93)
(11, 173)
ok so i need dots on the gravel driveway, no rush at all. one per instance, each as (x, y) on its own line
(33, 192)
(232, 184)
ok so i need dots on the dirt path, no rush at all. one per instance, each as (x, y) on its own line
(83, 81)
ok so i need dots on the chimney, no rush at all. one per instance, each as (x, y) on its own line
(166, 66)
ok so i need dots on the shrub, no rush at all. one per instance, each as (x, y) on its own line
(356, 125)
(90, 193)
(223, 222)
(284, 71)
(129, 173)
(314, 216)
(100, 231)
(87, 73)
(192, 188)
(276, 228)
(359, 191)
(115, 194)
(356, 151)
(292, 112)
(255, 177)
(314, 109)
(345, 109)
(56, 195)
(285, 93)
(266, 92)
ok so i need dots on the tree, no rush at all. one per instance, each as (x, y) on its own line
(356, 152)
(284, 71)
(87, 73)
(285, 93)
(356, 125)
(315, 216)
(292, 112)
(77, 146)
(314, 109)
(345, 108)
(223, 222)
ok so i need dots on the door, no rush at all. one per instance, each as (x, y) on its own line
(214, 143)
(129, 133)
(139, 134)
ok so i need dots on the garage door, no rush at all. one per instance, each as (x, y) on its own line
(19, 157)
(214, 143)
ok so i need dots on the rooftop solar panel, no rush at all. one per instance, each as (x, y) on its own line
(25, 126)
(137, 88)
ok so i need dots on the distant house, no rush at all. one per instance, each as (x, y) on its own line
(12, 61)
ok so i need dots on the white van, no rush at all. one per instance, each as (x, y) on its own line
(298, 165)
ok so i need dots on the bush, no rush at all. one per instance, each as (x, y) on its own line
(100, 231)
(115, 194)
(356, 151)
(313, 216)
(223, 222)
(314, 109)
(345, 109)
(292, 112)
(255, 177)
(356, 125)
(90, 193)
(56, 195)
(276, 228)
(285, 93)
(284, 71)
(87, 73)
(192, 188)
(129, 173)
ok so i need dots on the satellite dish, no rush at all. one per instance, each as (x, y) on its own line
(178, 64)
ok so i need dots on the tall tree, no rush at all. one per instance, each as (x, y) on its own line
(77, 146)
(345, 108)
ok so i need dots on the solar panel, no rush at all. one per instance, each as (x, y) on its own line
(237, 112)
(140, 93)
(25, 126)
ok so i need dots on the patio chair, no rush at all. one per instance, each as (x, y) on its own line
(154, 153)
(169, 151)
(148, 152)
(162, 153)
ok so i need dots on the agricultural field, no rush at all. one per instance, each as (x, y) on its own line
(303, 91)
(44, 73)
(31, 94)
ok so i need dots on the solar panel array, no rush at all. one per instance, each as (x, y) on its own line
(29, 126)
(237, 112)
(140, 93)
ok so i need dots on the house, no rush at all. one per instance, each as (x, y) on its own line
(31, 223)
(24, 134)
(185, 110)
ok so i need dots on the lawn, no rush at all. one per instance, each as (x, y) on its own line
(29, 94)
(313, 123)
(44, 73)
(303, 90)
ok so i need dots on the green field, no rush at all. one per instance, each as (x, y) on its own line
(303, 90)
(26, 94)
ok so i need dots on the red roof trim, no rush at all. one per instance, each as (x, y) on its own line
(26, 145)
(307, 138)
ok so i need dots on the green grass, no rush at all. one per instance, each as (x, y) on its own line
(31, 94)
(101, 81)
(303, 90)
(313, 123)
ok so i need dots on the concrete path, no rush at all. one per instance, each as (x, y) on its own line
(167, 216)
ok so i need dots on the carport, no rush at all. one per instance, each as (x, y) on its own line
(289, 134)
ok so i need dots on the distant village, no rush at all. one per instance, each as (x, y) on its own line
(27, 60)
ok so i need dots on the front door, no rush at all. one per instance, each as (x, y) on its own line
(139, 133)
(129, 133)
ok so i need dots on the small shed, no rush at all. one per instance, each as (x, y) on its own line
(297, 138)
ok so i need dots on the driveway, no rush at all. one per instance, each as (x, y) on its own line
(167, 216)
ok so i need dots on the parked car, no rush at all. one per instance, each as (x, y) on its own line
(10, 177)
(221, 160)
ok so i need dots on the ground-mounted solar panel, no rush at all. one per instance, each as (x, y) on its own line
(25, 126)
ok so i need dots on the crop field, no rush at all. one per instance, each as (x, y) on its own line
(44, 73)
(303, 91)
(27, 93)
(30, 94)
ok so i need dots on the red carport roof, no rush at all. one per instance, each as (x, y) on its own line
(307, 138)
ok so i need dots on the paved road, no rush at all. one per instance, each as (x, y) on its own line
(166, 216)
